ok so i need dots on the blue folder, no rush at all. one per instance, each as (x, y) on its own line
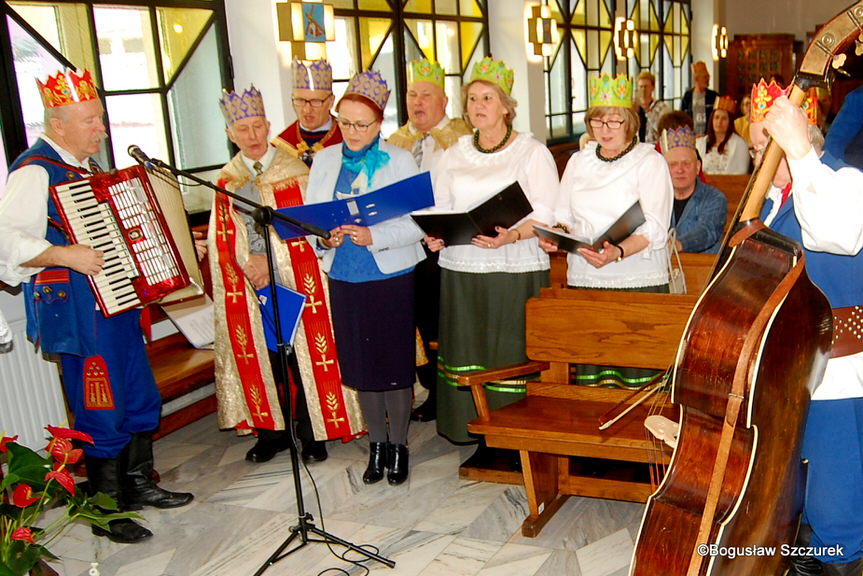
(398, 199)
(291, 305)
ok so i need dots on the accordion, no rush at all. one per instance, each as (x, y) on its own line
(138, 226)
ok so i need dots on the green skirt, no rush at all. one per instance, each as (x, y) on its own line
(481, 326)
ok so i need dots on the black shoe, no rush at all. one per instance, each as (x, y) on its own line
(123, 531)
(138, 487)
(850, 569)
(377, 462)
(398, 467)
(150, 494)
(314, 451)
(266, 449)
(425, 412)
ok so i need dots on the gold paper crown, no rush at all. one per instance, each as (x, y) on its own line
(726, 103)
(682, 137)
(699, 66)
(494, 71)
(370, 85)
(425, 71)
(238, 106)
(764, 94)
(67, 87)
(605, 91)
(316, 76)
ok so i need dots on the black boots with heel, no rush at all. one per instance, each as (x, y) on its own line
(398, 464)
(377, 462)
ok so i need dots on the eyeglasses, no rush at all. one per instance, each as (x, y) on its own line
(313, 102)
(610, 124)
(360, 127)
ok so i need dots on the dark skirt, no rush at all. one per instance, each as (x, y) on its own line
(375, 333)
(482, 325)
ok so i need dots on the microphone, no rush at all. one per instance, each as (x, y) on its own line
(139, 156)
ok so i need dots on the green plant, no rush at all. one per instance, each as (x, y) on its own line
(31, 484)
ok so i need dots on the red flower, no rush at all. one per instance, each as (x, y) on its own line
(63, 478)
(24, 534)
(23, 496)
(62, 451)
(5, 440)
(68, 433)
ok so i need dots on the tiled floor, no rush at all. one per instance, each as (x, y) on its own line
(434, 524)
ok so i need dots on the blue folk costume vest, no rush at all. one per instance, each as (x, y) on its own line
(59, 301)
(836, 275)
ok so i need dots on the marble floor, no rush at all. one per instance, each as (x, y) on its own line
(434, 524)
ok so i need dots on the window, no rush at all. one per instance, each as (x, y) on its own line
(586, 47)
(159, 67)
(371, 34)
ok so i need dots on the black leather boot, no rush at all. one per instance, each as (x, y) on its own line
(377, 462)
(804, 565)
(848, 569)
(139, 489)
(103, 475)
(398, 464)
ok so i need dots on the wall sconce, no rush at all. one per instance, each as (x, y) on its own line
(306, 21)
(719, 45)
(624, 38)
(541, 30)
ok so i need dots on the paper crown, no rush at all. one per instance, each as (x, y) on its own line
(494, 71)
(726, 103)
(238, 106)
(370, 85)
(67, 87)
(425, 71)
(764, 94)
(316, 76)
(699, 67)
(605, 91)
(682, 137)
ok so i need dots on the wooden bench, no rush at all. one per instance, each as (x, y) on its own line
(555, 428)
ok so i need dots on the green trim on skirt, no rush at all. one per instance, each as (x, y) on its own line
(482, 325)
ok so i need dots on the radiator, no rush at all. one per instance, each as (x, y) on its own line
(30, 392)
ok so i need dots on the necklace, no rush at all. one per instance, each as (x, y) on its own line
(494, 148)
(306, 152)
(619, 156)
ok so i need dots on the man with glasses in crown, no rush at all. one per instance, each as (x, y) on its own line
(700, 210)
(833, 439)
(312, 99)
(427, 134)
(249, 384)
(107, 378)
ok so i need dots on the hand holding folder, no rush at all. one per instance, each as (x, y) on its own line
(616, 233)
(383, 204)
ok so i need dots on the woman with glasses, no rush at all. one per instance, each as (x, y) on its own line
(370, 272)
(484, 284)
(722, 150)
(599, 184)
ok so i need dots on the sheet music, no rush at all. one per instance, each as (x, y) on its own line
(195, 320)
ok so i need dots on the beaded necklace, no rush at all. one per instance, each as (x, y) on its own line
(619, 156)
(494, 148)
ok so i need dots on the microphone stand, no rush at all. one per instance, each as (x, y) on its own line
(265, 215)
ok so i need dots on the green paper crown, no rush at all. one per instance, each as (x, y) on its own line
(494, 71)
(425, 71)
(605, 91)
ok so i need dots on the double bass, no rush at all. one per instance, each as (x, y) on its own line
(754, 349)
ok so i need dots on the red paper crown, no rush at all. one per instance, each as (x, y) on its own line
(726, 103)
(764, 94)
(69, 87)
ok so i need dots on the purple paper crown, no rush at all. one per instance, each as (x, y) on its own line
(682, 137)
(237, 106)
(316, 76)
(370, 85)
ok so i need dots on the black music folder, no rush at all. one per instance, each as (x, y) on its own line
(383, 204)
(617, 232)
(503, 209)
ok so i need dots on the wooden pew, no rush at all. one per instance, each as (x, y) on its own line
(733, 185)
(555, 428)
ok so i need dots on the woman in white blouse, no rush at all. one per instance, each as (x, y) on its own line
(722, 150)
